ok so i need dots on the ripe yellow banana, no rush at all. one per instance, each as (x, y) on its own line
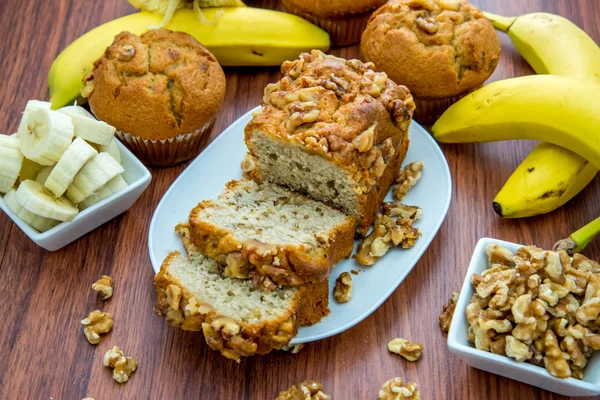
(554, 109)
(552, 44)
(243, 36)
(551, 175)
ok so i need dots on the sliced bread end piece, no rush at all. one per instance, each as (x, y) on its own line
(236, 318)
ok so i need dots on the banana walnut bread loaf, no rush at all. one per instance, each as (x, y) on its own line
(271, 234)
(235, 317)
(333, 129)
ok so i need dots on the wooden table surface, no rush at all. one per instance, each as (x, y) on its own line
(44, 354)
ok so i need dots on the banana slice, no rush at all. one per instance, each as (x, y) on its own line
(10, 166)
(30, 170)
(44, 135)
(38, 104)
(43, 174)
(113, 186)
(89, 128)
(71, 162)
(10, 141)
(112, 149)
(34, 197)
(71, 110)
(95, 174)
(40, 223)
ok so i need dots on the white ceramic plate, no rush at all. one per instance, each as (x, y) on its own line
(219, 163)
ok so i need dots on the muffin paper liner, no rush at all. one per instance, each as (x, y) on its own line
(429, 109)
(166, 152)
(343, 31)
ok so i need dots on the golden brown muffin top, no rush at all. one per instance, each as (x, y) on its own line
(156, 86)
(438, 48)
(339, 109)
(335, 8)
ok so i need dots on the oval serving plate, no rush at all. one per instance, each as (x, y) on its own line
(219, 163)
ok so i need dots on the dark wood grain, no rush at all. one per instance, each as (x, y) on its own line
(45, 355)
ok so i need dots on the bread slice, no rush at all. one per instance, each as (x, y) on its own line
(271, 234)
(333, 129)
(236, 318)
(314, 302)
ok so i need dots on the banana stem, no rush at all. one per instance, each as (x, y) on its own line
(579, 239)
(501, 23)
(585, 235)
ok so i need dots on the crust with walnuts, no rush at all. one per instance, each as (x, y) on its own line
(232, 338)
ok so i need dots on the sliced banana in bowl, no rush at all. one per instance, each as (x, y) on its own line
(60, 163)
(113, 186)
(70, 163)
(87, 127)
(44, 135)
(39, 223)
(34, 197)
(11, 161)
(95, 174)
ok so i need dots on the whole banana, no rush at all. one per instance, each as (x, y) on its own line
(243, 36)
(555, 109)
(551, 175)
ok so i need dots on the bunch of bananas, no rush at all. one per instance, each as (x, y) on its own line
(559, 108)
(237, 36)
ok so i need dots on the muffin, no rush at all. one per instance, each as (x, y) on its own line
(344, 20)
(160, 90)
(440, 49)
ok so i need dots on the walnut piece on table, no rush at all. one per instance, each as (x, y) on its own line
(389, 232)
(394, 390)
(448, 313)
(123, 367)
(306, 390)
(104, 287)
(406, 179)
(343, 288)
(96, 323)
(537, 306)
(293, 348)
(408, 350)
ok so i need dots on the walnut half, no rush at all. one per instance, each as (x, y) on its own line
(406, 179)
(123, 367)
(448, 313)
(394, 390)
(104, 287)
(387, 232)
(306, 390)
(343, 288)
(408, 350)
(96, 323)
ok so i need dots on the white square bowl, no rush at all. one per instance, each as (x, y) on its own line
(502, 365)
(137, 177)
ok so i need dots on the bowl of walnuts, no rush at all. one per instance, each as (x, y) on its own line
(531, 315)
